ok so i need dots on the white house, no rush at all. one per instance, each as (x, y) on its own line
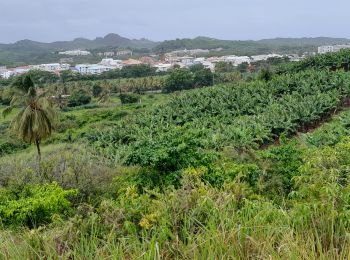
(325, 49)
(265, 56)
(48, 67)
(97, 69)
(91, 68)
(198, 60)
(109, 54)
(340, 47)
(236, 60)
(7, 74)
(112, 63)
(334, 48)
(162, 67)
(123, 52)
(209, 65)
(187, 61)
(82, 68)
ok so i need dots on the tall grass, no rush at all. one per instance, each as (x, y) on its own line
(195, 222)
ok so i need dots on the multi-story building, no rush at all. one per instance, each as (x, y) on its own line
(325, 49)
(332, 48)
(91, 68)
(162, 67)
(123, 52)
(112, 63)
(340, 47)
(186, 61)
(237, 60)
(109, 53)
(75, 53)
(97, 69)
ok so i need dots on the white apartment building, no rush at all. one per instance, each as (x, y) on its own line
(162, 67)
(82, 68)
(333, 48)
(265, 57)
(108, 53)
(52, 67)
(97, 69)
(112, 63)
(186, 61)
(340, 47)
(123, 52)
(209, 65)
(15, 71)
(75, 53)
(91, 68)
(187, 52)
(198, 60)
(237, 60)
(197, 51)
(325, 49)
(48, 67)
(6, 74)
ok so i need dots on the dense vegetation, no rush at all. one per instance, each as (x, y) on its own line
(249, 169)
(329, 61)
(31, 52)
(280, 45)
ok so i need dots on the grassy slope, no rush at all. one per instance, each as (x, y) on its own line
(260, 230)
(79, 120)
(268, 229)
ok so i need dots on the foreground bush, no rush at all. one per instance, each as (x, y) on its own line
(71, 166)
(200, 221)
(33, 205)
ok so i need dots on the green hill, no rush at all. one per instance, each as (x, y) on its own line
(81, 43)
(30, 52)
(281, 45)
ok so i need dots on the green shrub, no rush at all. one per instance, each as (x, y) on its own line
(265, 74)
(171, 151)
(96, 90)
(79, 98)
(129, 98)
(11, 147)
(71, 166)
(33, 205)
(179, 79)
(281, 165)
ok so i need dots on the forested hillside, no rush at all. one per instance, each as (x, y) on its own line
(33, 52)
(279, 45)
(184, 165)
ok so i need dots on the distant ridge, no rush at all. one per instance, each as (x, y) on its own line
(34, 52)
(265, 45)
(317, 41)
(115, 40)
(110, 40)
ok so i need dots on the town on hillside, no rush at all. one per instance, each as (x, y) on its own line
(162, 63)
(181, 58)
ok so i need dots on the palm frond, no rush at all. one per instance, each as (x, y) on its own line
(7, 111)
(18, 100)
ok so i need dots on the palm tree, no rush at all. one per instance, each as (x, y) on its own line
(34, 122)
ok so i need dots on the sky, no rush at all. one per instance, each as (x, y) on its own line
(52, 20)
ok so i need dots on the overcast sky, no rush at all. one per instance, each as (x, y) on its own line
(51, 20)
